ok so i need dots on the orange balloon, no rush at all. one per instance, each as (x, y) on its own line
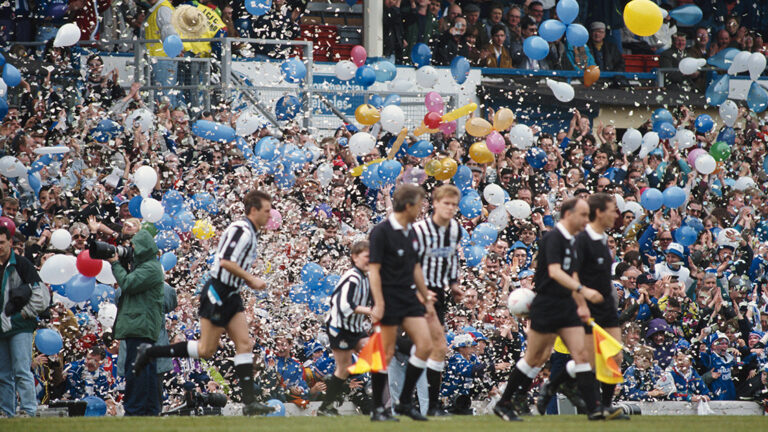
(591, 75)
(719, 167)
(449, 168)
(367, 114)
(479, 153)
(503, 119)
(478, 127)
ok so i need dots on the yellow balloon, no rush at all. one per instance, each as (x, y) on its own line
(458, 112)
(503, 119)
(479, 153)
(203, 229)
(643, 17)
(367, 114)
(478, 127)
(433, 167)
(448, 169)
(358, 170)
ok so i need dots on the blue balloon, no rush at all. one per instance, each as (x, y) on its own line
(287, 107)
(299, 294)
(662, 115)
(463, 177)
(392, 99)
(134, 206)
(389, 170)
(213, 131)
(687, 16)
(102, 293)
(274, 403)
(385, 71)
(376, 101)
(723, 59)
(11, 75)
(258, 7)
(471, 206)
(48, 341)
(173, 201)
(2, 61)
(484, 234)
(577, 35)
(551, 30)
(365, 76)
(536, 157)
(343, 141)
(3, 108)
(567, 10)
(34, 182)
(666, 130)
(96, 407)
(172, 45)
(106, 130)
(535, 48)
(184, 221)
(205, 201)
(704, 123)
(652, 199)
(319, 305)
(329, 284)
(351, 3)
(293, 70)
(59, 289)
(370, 177)
(165, 223)
(694, 223)
(727, 135)
(167, 241)
(757, 98)
(285, 179)
(474, 255)
(421, 55)
(168, 260)
(80, 288)
(674, 197)
(717, 91)
(460, 69)
(266, 148)
(421, 148)
(466, 241)
(686, 235)
(311, 273)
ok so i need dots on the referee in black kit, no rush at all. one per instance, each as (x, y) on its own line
(396, 278)
(221, 307)
(438, 240)
(559, 308)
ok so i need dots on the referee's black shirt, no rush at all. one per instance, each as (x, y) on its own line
(555, 247)
(596, 262)
(394, 248)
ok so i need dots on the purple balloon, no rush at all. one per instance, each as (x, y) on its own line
(694, 154)
(434, 102)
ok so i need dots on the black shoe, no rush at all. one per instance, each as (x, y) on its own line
(521, 405)
(257, 408)
(438, 412)
(410, 411)
(142, 359)
(328, 411)
(546, 394)
(615, 413)
(504, 410)
(382, 415)
(570, 391)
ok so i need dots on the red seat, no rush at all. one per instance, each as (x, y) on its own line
(640, 62)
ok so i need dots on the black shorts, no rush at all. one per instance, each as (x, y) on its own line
(550, 314)
(342, 339)
(400, 304)
(219, 315)
(441, 303)
(604, 314)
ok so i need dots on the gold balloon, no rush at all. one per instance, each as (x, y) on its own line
(433, 167)
(643, 17)
(448, 169)
(367, 114)
(478, 127)
(591, 75)
(458, 112)
(503, 119)
(479, 153)
(203, 229)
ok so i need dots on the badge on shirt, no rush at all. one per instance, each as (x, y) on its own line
(600, 261)
(400, 252)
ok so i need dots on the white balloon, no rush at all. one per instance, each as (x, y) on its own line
(562, 91)
(58, 269)
(105, 275)
(498, 218)
(361, 143)
(740, 63)
(650, 142)
(316, 152)
(392, 119)
(631, 140)
(61, 239)
(521, 136)
(756, 65)
(400, 85)
(635, 208)
(11, 167)
(324, 174)
(729, 112)
(705, 164)
(494, 194)
(620, 203)
(151, 210)
(426, 76)
(518, 208)
(248, 123)
(107, 314)
(689, 65)
(345, 70)
(59, 149)
(744, 183)
(143, 117)
(685, 138)
(3, 88)
(145, 178)
(724, 240)
(67, 35)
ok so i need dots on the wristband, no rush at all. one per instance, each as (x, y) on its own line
(578, 288)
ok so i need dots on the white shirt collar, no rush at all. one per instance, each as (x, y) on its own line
(396, 225)
(595, 236)
(564, 231)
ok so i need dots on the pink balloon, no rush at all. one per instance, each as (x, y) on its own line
(358, 55)
(495, 142)
(694, 154)
(448, 128)
(275, 220)
(434, 102)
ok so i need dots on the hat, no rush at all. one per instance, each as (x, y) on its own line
(725, 246)
(311, 348)
(718, 336)
(477, 336)
(645, 279)
(463, 340)
(525, 273)
(471, 8)
(677, 249)
(597, 25)
(519, 245)
(189, 21)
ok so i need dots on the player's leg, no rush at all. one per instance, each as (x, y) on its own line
(379, 379)
(336, 382)
(574, 339)
(237, 329)
(203, 348)
(418, 331)
(436, 363)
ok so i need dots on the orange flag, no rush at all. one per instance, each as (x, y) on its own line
(371, 357)
(606, 347)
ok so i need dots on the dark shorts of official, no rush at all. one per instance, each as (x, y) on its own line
(604, 314)
(342, 339)
(550, 314)
(401, 303)
(220, 315)
(441, 303)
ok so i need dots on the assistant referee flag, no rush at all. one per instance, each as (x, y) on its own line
(371, 357)
(606, 347)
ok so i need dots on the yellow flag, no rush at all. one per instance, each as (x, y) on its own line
(371, 357)
(606, 347)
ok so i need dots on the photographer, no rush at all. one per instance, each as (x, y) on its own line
(139, 320)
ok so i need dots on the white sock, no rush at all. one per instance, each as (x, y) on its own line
(527, 369)
(435, 365)
(244, 358)
(419, 363)
(582, 367)
(192, 349)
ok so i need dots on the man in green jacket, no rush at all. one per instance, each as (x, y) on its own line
(140, 320)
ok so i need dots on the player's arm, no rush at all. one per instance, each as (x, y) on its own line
(569, 282)
(421, 286)
(235, 269)
(374, 278)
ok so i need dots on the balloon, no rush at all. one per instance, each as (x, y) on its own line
(279, 407)
(728, 135)
(686, 235)
(447, 128)
(434, 103)
(358, 55)
(432, 120)
(433, 167)
(172, 45)
(11, 167)
(361, 144)
(652, 199)
(370, 177)
(258, 7)
(385, 71)
(478, 127)
(720, 151)
(151, 210)
(591, 75)
(143, 117)
(485, 234)
(185, 220)
(631, 140)
(448, 168)
(705, 164)
(215, 131)
(79, 288)
(642, 17)
(495, 142)
(739, 63)
(203, 229)
(503, 119)
(535, 48)
(521, 136)
(167, 241)
(88, 266)
(463, 177)
(173, 201)
(11, 75)
(287, 107)
(293, 70)
(723, 59)
(365, 76)
(58, 269)
(729, 112)
(61, 239)
(674, 197)
(684, 138)
(756, 65)
(311, 273)
(48, 341)
(562, 91)
(470, 206)
(690, 65)
(460, 69)
(67, 35)
(757, 98)
(134, 206)
(479, 153)
(421, 55)
(366, 114)
(392, 119)
(650, 142)
(168, 260)
(345, 70)
(577, 35)
(498, 218)
(392, 99)
(459, 112)
(744, 183)
(494, 194)
(704, 123)
(695, 154)
(474, 255)
(96, 407)
(536, 157)
(389, 170)
(3, 103)
(518, 209)
(324, 174)
(401, 85)
(103, 294)
(266, 148)
(426, 76)
(567, 10)
(687, 15)
(285, 179)
(666, 130)
(551, 30)
(662, 115)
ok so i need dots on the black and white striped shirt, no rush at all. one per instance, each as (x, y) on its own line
(237, 244)
(353, 290)
(437, 250)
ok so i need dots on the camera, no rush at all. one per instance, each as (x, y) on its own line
(630, 409)
(196, 403)
(103, 251)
